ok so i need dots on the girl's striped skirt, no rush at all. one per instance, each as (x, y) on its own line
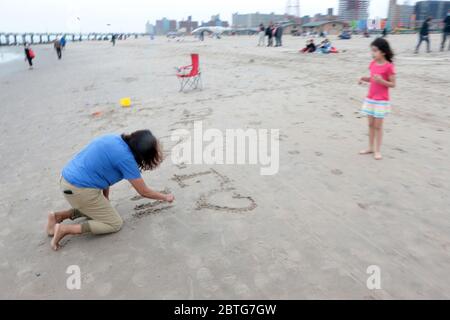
(376, 108)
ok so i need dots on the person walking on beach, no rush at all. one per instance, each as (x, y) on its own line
(58, 48)
(279, 35)
(377, 104)
(86, 179)
(262, 36)
(446, 31)
(424, 35)
(29, 55)
(269, 34)
(63, 42)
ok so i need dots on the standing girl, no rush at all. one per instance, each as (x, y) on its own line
(29, 55)
(377, 104)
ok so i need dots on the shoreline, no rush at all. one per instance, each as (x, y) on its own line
(7, 56)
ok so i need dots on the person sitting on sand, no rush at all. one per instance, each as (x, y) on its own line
(86, 179)
(310, 47)
(325, 46)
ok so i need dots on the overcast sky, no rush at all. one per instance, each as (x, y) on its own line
(131, 15)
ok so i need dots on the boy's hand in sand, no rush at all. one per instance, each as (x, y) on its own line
(170, 198)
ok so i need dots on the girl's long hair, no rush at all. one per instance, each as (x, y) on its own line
(384, 47)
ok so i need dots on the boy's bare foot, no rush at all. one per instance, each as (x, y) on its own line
(378, 156)
(59, 234)
(365, 152)
(51, 221)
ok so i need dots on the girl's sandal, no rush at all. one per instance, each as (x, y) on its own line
(378, 156)
(365, 152)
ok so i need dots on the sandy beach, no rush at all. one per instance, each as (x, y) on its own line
(308, 232)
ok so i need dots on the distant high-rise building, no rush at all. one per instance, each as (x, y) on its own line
(323, 17)
(435, 9)
(149, 28)
(253, 20)
(350, 10)
(188, 24)
(215, 21)
(400, 16)
(165, 26)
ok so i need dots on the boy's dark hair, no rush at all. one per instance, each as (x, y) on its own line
(146, 149)
(384, 47)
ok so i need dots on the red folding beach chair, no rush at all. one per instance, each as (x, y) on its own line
(190, 76)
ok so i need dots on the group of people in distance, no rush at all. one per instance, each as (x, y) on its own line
(424, 33)
(59, 44)
(273, 31)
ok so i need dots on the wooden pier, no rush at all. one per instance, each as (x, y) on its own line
(16, 39)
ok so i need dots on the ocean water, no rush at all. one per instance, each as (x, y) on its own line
(8, 54)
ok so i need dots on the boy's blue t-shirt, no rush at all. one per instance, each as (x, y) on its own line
(102, 163)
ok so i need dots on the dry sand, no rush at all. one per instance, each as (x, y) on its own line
(311, 231)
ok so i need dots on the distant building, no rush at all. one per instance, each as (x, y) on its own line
(306, 19)
(353, 10)
(149, 28)
(330, 27)
(215, 21)
(188, 24)
(436, 9)
(253, 20)
(400, 16)
(165, 26)
(325, 17)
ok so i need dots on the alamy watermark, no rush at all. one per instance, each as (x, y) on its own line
(73, 282)
(231, 147)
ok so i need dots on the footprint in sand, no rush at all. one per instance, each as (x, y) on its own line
(318, 153)
(337, 115)
(399, 150)
(89, 88)
(336, 172)
(181, 166)
(129, 79)
(282, 137)
(363, 206)
(294, 152)
(435, 184)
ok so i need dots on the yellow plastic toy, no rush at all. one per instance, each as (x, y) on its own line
(125, 102)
